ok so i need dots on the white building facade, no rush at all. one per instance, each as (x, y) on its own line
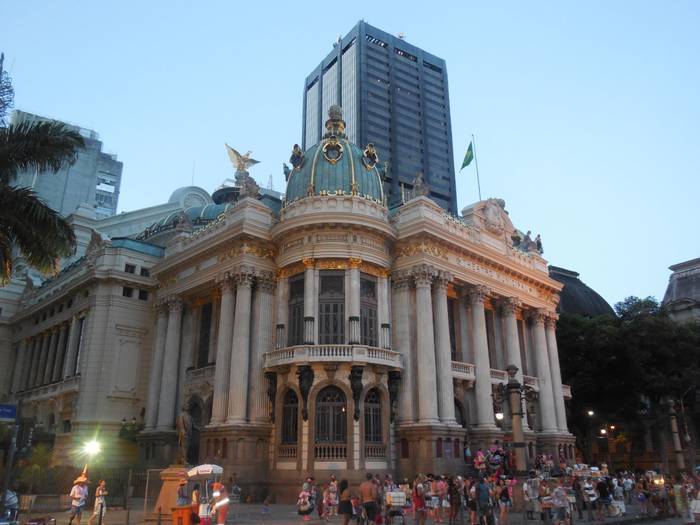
(320, 334)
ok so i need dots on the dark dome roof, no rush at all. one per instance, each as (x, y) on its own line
(576, 297)
(335, 166)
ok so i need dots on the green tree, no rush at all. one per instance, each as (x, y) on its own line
(627, 366)
(27, 224)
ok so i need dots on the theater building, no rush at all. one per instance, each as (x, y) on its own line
(317, 333)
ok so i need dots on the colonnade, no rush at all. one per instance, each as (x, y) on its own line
(244, 334)
(50, 356)
(428, 390)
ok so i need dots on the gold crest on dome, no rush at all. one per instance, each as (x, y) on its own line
(332, 149)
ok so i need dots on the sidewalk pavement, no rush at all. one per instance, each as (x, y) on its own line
(252, 513)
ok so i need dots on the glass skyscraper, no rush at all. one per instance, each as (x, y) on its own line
(394, 95)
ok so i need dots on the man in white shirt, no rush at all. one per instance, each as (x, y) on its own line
(78, 498)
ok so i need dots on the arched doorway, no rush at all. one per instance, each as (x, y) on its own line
(331, 424)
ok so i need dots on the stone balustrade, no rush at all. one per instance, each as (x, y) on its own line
(195, 376)
(64, 386)
(566, 390)
(332, 353)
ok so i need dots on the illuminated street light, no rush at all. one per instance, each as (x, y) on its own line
(612, 427)
(603, 431)
(590, 413)
(499, 416)
(91, 448)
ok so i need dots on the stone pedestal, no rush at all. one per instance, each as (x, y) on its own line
(167, 498)
(422, 442)
(157, 448)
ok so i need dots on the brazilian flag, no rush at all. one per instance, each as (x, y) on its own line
(468, 157)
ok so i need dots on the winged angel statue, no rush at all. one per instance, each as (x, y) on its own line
(241, 162)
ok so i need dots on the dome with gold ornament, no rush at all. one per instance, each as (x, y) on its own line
(335, 166)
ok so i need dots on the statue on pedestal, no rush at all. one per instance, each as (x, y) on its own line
(183, 427)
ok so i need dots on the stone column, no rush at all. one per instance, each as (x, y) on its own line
(50, 356)
(464, 346)
(34, 363)
(240, 351)
(156, 366)
(60, 354)
(310, 298)
(425, 346)
(508, 306)
(401, 282)
(547, 413)
(187, 353)
(555, 372)
(353, 295)
(37, 376)
(482, 387)
(443, 352)
(71, 349)
(223, 352)
(384, 333)
(168, 381)
(282, 307)
(28, 361)
(19, 366)
(261, 343)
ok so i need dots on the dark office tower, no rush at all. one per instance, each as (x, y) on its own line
(394, 95)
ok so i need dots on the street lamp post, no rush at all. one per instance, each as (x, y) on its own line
(514, 389)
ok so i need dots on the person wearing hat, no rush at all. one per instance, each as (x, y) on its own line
(219, 502)
(78, 497)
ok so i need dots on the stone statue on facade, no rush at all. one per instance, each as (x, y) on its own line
(538, 244)
(297, 157)
(240, 162)
(183, 427)
(394, 384)
(370, 158)
(355, 378)
(305, 375)
(420, 186)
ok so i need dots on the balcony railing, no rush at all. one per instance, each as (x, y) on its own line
(287, 452)
(375, 451)
(499, 375)
(331, 452)
(195, 376)
(532, 382)
(64, 386)
(333, 353)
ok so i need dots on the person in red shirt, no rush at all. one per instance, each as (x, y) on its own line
(420, 509)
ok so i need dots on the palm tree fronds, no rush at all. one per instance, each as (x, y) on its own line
(40, 233)
(44, 146)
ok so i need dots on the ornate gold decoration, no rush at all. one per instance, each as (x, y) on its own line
(308, 262)
(354, 262)
(376, 271)
(292, 269)
(250, 247)
(331, 264)
(418, 246)
(332, 149)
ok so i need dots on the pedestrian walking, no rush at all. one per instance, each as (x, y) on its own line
(100, 504)
(345, 501)
(78, 497)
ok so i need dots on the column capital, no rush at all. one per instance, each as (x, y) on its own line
(401, 280)
(477, 293)
(175, 303)
(443, 279)
(354, 263)
(308, 262)
(244, 276)
(226, 283)
(509, 304)
(537, 315)
(265, 281)
(423, 274)
(551, 320)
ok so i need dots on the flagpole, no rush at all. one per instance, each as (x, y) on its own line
(476, 163)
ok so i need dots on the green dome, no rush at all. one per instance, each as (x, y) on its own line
(335, 166)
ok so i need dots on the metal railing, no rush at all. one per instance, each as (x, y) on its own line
(331, 452)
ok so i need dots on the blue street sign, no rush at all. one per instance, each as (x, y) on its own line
(8, 413)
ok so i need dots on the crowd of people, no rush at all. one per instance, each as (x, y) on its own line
(487, 499)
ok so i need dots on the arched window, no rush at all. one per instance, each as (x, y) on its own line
(290, 417)
(331, 419)
(331, 308)
(295, 313)
(438, 448)
(373, 417)
(368, 310)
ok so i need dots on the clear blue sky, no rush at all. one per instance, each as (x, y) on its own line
(586, 114)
